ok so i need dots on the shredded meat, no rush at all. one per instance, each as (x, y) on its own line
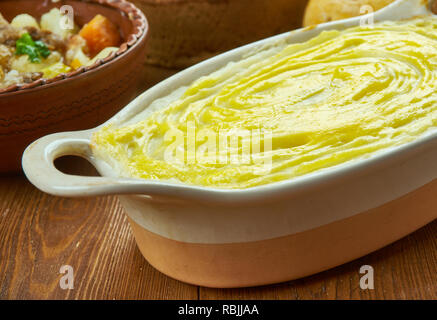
(5, 54)
(52, 41)
(29, 77)
(8, 34)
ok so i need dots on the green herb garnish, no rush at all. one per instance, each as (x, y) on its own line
(34, 49)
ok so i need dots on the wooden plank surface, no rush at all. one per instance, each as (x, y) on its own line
(40, 233)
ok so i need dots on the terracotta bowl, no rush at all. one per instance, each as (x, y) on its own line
(78, 100)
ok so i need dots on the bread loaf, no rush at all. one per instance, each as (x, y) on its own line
(320, 11)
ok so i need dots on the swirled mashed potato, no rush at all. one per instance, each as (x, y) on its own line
(340, 96)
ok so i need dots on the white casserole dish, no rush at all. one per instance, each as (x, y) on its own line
(267, 234)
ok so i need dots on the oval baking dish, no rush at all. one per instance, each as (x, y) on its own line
(269, 233)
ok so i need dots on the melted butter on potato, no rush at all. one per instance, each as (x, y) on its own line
(22, 63)
(339, 97)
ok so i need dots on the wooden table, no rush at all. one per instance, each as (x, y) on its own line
(40, 233)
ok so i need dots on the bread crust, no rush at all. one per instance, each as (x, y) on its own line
(320, 11)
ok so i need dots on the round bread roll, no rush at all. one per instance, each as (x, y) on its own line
(320, 11)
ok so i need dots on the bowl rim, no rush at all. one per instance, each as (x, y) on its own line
(140, 29)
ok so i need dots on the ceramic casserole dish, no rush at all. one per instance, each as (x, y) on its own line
(265, 234)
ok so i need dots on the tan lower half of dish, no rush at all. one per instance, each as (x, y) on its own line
(289, 257)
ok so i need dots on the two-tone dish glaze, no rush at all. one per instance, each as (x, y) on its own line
(269, 233)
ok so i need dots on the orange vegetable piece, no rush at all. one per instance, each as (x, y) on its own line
(100, 33)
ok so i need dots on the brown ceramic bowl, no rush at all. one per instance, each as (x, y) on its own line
(78, 100)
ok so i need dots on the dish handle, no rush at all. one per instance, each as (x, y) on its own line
(38, 165)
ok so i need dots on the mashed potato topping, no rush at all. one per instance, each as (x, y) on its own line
(340, 96)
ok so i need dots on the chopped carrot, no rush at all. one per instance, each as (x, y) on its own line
(100, 33)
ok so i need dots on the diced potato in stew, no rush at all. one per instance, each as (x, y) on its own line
(32, 49)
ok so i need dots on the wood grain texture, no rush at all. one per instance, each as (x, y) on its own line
(40, 233)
